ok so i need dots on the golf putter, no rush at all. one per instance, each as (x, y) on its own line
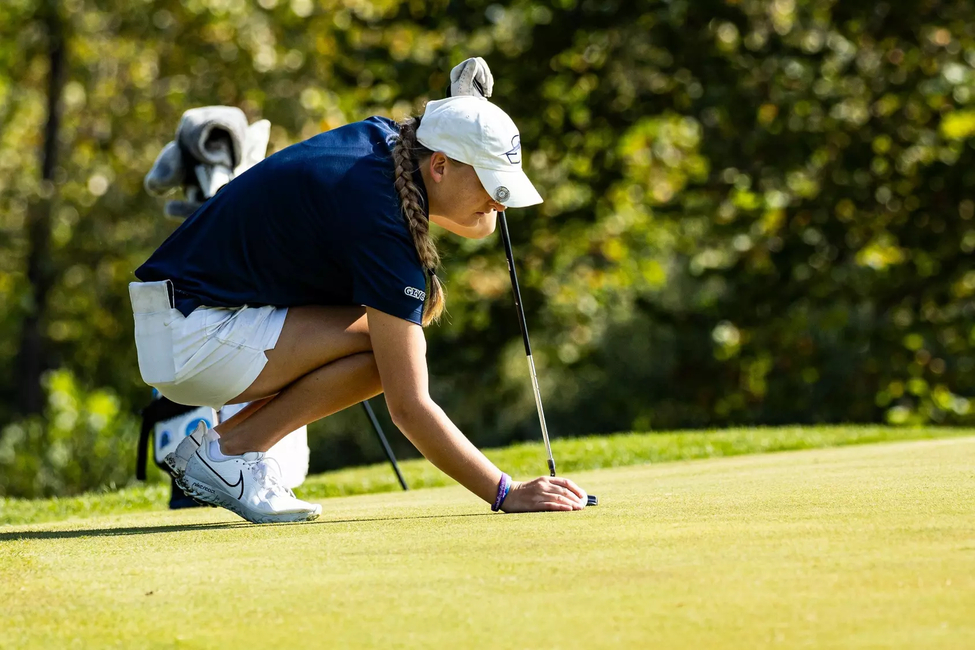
(506, 238)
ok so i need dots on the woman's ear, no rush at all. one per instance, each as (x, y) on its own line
(438, 165)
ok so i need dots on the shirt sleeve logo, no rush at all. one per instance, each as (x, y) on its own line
(413, 292)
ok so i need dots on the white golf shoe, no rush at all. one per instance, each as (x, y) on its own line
(249, 485)
(176, 460)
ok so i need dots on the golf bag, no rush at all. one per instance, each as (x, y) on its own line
(167, 423)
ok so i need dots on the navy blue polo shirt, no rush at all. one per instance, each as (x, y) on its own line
(317, 223)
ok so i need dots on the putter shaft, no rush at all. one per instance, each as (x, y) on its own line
(506, 238)
(541, 415)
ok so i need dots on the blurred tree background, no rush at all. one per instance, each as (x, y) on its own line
(757, 212)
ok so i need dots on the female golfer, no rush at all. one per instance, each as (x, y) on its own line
(303, 286)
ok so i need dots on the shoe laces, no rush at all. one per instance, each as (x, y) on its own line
(270, 477)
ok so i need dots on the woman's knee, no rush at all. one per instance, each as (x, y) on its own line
(371, 373)
(360, 330)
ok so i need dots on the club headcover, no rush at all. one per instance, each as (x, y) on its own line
(213, 145)
(181, 209)
(167, 173)
(213, 135)
(471, 77)
(212, 177)
(255, 146)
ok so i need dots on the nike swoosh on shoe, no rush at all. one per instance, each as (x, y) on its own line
(240, 479)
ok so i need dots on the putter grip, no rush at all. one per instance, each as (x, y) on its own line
(551, 467)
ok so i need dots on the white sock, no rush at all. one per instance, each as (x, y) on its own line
(215, 452)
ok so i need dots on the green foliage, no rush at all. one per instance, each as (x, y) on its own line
(83, 441)
(756, 212)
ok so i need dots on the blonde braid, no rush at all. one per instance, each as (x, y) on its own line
(405, 159)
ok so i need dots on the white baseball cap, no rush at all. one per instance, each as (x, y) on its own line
(474, 131)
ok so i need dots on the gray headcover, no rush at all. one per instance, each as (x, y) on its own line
(213, 144)
(167, 173)
(471, 77)
(213, 135)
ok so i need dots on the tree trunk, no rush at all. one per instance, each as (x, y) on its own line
(40, 267)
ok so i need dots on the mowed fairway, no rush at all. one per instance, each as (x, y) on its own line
(857, 547)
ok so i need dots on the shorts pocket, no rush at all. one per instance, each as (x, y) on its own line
(235, 327)
(154, 346)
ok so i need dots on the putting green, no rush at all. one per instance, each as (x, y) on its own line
(854, 547)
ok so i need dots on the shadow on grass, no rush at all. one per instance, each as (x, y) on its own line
(152, 530)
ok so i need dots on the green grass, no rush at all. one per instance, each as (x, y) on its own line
(857, 547)
(522, 461)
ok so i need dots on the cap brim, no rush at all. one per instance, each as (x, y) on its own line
(509, 188)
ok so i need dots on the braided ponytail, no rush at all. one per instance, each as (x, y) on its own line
(406, 154)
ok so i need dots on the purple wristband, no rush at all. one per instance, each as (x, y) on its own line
(504, 485)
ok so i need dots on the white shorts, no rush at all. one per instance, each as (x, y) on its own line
(206, 358)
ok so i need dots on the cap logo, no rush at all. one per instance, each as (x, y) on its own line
(413, 292)
(514, 154)
(501, 194)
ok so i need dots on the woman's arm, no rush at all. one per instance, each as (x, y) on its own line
(400, 351)
(484, 227)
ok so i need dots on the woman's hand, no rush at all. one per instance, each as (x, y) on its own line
(544, 494)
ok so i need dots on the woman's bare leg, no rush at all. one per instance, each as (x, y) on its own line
(321, 364)
(311, 338)
(329, 389)
(231, 423)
